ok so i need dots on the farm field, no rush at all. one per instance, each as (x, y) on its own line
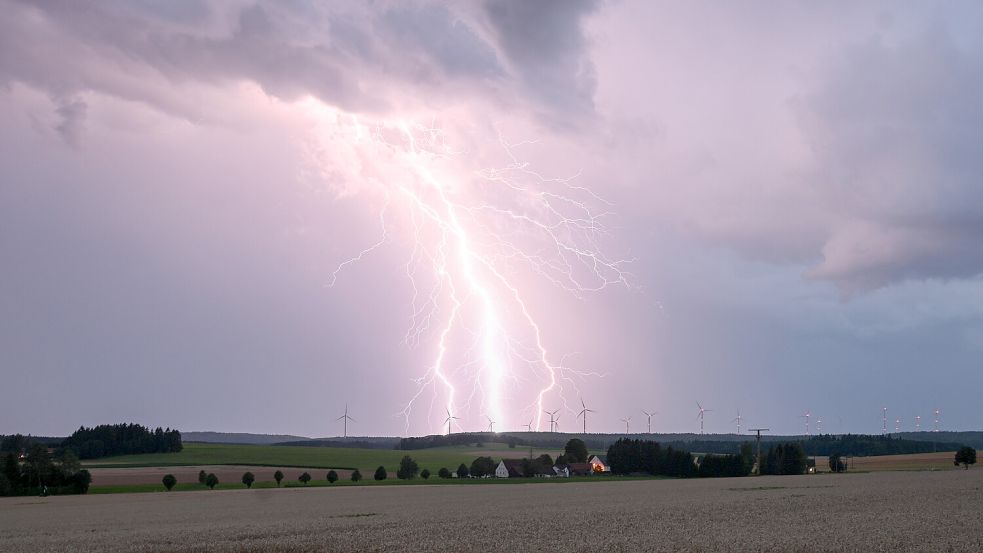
(916, 461)
(881, 511)
(292, 460)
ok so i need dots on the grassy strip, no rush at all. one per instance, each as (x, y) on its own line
(195, 487)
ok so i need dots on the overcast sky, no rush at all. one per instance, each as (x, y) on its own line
(795, 190)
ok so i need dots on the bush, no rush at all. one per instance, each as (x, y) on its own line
(836, 463)
(407, 468)
(202, 476)
(211, 481)
(356, 475)
(169, 481)
(425, 474)
(380, 473)
(332, 477)
(248, 479)
(304, 478)
(444, 473)
(462, 471)
(278, 476)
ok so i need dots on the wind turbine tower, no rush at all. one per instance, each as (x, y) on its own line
(701, 415)
(897, 424)
(552, 415)
(627, 422)
(528, 426)
(345, 418)
(806, 417)
(491, 424)
(738, 421)
(918, 423)
(649, 415)
(449, 419)
(584, 412)
(938, 413)
(819, 425)
(884, 420)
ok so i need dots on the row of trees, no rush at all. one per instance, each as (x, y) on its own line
(39, 474)
(122, 439)
(628, 456)
(784, 458)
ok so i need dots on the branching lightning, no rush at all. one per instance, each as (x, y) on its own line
(472, 233)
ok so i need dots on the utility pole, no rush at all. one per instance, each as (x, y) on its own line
(759, 431)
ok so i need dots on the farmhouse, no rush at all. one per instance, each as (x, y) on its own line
(598, 464)
(509, 468)
(579, 469)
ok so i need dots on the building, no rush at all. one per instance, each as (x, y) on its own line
(509, 468)
(598, 464)
(579, 469)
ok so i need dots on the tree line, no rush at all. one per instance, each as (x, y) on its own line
(122, 439)
(40, 474)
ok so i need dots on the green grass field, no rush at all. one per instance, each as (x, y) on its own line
(366, 460)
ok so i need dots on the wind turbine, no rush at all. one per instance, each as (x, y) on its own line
(584, 412)
(345, 418)
(897, 424)
(556, 422)
(449, 419)
(627, 422)
(938, 412)
(700, 415)
(806, 417)
(491, 424)
(552, 415)
(884, 420)
(819, 425)
(738, 421)
(528, 426)
(649, 415)
(918, 423)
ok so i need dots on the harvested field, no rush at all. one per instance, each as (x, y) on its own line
(225, 473)
(915, 461)
(884, 511)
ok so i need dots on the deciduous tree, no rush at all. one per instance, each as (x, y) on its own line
(425, 474)
(169, 481)
(356, 475)
(211, 480)
(332, 477)
(575, 451)
(278, 476)
(380, 473)
(408, 468)
(965, 456)
(248, 479)
(304, 478)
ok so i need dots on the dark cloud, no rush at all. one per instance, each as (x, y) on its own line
(544, 43)
(360, 58)
(897, 132)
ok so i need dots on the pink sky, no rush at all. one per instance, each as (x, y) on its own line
(796, 186)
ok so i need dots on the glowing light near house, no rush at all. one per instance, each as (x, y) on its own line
(471, 234)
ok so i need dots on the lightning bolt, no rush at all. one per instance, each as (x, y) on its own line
(471, 232)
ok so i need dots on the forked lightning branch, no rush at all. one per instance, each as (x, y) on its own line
(477, 238)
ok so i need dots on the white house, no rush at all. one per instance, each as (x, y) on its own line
(598, 464)
(509, 468)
